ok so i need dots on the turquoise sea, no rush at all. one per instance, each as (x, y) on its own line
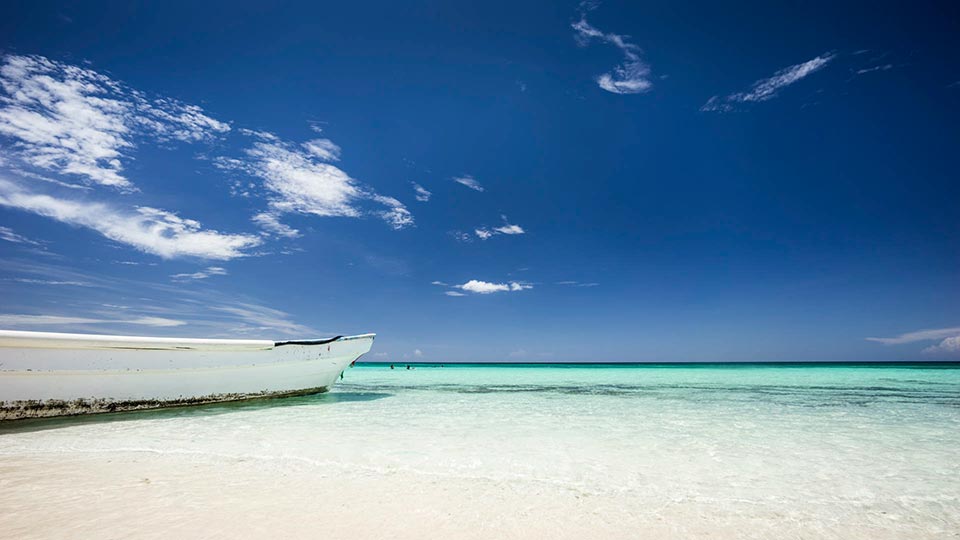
(618, 451)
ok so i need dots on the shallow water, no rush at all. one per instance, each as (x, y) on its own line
(841, 451)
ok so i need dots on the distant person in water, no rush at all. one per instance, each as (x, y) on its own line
(391, 366)
(408, 366)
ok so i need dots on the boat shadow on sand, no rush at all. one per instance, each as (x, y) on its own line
(188, 411)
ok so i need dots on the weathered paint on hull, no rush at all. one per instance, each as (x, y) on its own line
(17, 410)
(60, 380)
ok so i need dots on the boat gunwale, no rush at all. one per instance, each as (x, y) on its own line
(22, 339)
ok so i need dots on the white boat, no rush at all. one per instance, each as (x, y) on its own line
(52, 374)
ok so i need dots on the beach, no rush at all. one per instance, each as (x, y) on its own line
(800, 451)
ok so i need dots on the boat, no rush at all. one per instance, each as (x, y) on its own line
(52, 374)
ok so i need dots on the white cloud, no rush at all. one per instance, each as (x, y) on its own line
(324, 149)
(484, 233)
(76, 121)
(468, 181)
(883, 67)
(9, 319)
(31, 281)
(29, 174)
(204, 311)
(271, 224)
(454, 293)
(632, 76)
(509, 229)
(263, 318)
(418, 353)
(485, 287)
(150, 230)
(422, 194)
(265, 135)
(299, 182)
(766, 89)
(396, 215)
(6, 233)
(202, 274)
(577, 284)
(919, 335)
(949, 345)
(171, 120)
(461, 236)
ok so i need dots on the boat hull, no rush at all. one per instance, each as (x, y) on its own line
(89, 374)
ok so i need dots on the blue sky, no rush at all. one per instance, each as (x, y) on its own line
(611, 181)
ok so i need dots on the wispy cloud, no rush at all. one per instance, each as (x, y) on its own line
(299, 180)
(461, 236)
(202, 274)
(507, 228)
(468, 181)
(632, 76)
(396, 214)
(949, 339)
(766, 89)
(421, 192)
(272, 225)
(203, 312)
(260, 318)
(79, 122)
(31, 281)
(81, 125)
(147, 229)
(323, 149)
(578, 284)
(883, 67)
(6, 233)
(483, 234)
(919, 335)
(10, 319)
(32, 175)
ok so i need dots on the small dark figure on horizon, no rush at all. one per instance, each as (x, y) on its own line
(391, 366)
